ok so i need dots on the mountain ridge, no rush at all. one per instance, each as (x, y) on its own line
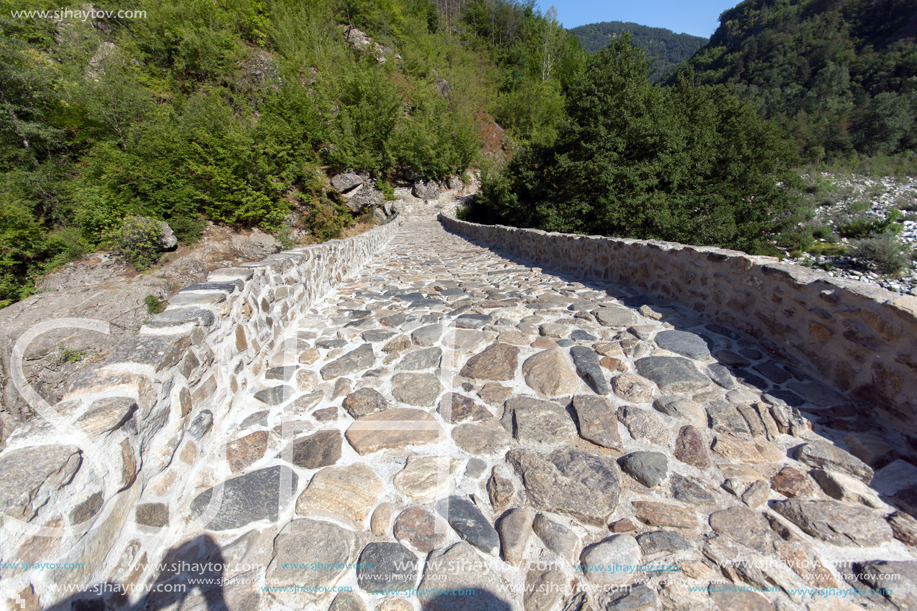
(669, 48)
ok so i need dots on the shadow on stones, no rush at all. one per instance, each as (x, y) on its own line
(473, 600)
(195, 581)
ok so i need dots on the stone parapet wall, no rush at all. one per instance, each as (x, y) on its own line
(90, 488)
(857, 337)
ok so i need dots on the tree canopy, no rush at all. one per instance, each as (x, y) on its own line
(691, 163)
(839, 77)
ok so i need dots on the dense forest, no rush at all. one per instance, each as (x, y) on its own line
(236, 111)
(667, 47)
(839, 76)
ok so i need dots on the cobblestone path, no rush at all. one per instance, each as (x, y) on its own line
(455, 429)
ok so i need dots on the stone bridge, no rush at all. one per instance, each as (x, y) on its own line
(439, 415)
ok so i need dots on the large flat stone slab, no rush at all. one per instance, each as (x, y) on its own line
(309, 555)
(30, 475)
(394, 428)
(686, 344)
(570, 482)
(258, 495)
(461, 568)
(672, 374)
(837, 523)
(352, 362)
(346, 493)
(539, 421)
(496, 362)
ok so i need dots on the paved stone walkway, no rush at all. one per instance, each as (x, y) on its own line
(455, 420)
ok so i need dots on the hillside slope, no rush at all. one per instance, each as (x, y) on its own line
(666, 46)
(840, 76)
(240, 111)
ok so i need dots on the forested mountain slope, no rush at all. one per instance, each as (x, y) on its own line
(666, 46)
(840, 76)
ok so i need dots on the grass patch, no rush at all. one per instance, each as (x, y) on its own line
(153, 304)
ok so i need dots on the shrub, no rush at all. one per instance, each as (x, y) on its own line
(862, 227)
(906, 203)
(140, 238)
(326, 221)
(387, 190)
(153, 304)
(883, 253)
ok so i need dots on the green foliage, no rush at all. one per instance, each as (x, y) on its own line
(388, 191)
(153, 304)
(862, 226)
(71, 356)
(881, 252)
(666, 47)
(839, 77)
(285, 237)
(139, 241)
(326, 221)
(691, 164)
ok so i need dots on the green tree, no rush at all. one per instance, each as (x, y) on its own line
(691, 164)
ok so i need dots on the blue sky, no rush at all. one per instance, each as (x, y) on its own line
(699, 17)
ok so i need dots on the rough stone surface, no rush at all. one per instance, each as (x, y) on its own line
(456, 408)
(662, 542)
(497, 362)
(823, 455)
(539, 421)
(418, 527)
(672, 374)
(244, 451)
(648, 468)
(836, 522)
(569, 482)
(597, 421)
(588, 367)
(315, 451)
(665, 515)
(352, 362)
(470, 524)
(30, 475)
(643, 424)
(556, 537)
(258, 495)
(615, 550)
(440, 574)
(690, 447)
(791, 483)
(381, 518)
(329, 549)
(515, 530)
(394, 428)
(386, 566)
(346, 493)
(420, 389)
(549, 374)
(634, 388)
(426, 477)
(745, 526)
(686, 344)
(681, 407)
(365, 401)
